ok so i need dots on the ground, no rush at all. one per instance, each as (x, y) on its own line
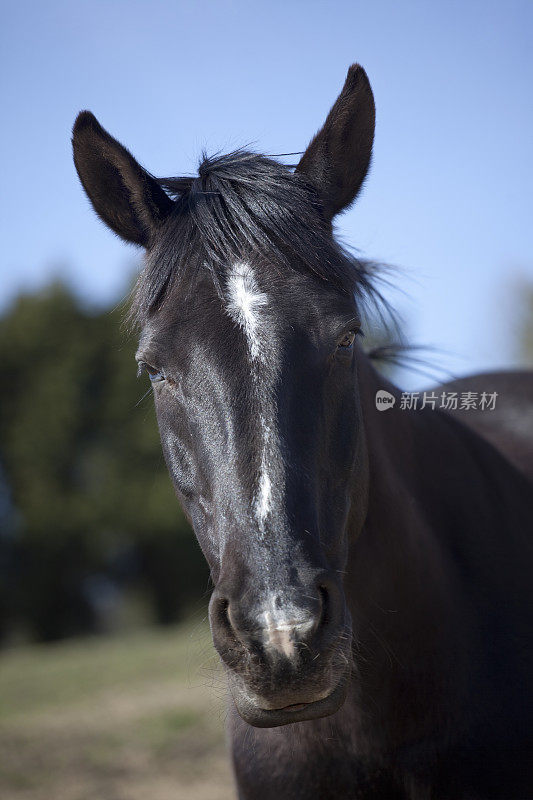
(124, 718)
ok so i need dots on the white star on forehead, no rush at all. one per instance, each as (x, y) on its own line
(246, 304)
(245, 301)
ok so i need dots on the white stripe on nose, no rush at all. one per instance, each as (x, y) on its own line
(284, 628)
(248, 306)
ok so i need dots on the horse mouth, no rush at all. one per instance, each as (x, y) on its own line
(252, 713)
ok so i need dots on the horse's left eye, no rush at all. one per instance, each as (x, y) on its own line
(347, 340)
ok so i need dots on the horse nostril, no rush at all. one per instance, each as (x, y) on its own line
(220, 619)
(231, 621)
(332, 609)
(219, 611)
(324, 604)
(223, 613)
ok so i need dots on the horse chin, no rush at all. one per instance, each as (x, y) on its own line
(251, 711)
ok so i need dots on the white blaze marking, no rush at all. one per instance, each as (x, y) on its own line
(264, 497)
(283, 626)
(263, 502)
(279, 636)
(245, 301)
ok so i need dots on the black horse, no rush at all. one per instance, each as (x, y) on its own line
(373, 571)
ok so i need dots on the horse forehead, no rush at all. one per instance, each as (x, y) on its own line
(249, 303)
(240, 296)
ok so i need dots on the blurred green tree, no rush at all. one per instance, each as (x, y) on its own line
(82, 462)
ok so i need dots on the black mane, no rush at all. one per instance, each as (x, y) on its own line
(244, 202)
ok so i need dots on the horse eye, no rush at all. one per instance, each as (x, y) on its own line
(347, 340)
(154, 374)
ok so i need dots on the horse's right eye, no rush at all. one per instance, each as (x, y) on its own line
(154, 374)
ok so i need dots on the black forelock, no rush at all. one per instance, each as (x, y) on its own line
(243, 203)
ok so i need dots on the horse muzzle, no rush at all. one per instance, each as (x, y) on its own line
(287, 651)
(251, 708)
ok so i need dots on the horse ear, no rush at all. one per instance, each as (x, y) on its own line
(337, 159)
(126, 197)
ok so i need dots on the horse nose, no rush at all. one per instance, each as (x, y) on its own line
(281, 624)
(284, 629)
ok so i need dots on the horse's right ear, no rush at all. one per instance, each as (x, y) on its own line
(126, 197)
(337, 159)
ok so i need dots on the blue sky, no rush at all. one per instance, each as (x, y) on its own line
(449, 196)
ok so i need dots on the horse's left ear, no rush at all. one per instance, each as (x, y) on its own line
(337, 160)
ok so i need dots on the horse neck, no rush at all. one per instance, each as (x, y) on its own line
(438, 493)
(392, 440)
(447, 531)
(401, 588)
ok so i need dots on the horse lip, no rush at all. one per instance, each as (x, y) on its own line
(259, 717)
(300, 703)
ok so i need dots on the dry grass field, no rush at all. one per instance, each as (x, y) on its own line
(126, 718)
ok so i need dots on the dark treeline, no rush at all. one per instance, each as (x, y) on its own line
(87, 513)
